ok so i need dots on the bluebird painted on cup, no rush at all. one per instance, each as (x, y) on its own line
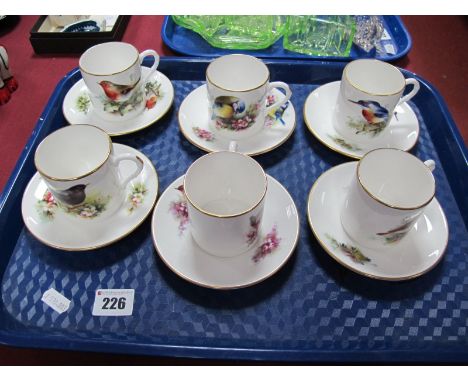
(370, 90)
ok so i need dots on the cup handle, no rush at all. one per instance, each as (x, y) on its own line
(281, 85)
(412, 93)
(149, 52)
(430, 164)
(135, 159)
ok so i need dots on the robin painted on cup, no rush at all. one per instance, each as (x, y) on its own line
(115, 91)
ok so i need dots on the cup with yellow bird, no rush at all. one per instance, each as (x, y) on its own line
(238, 86)
(370, 90)
(81, 171)
(113, 74)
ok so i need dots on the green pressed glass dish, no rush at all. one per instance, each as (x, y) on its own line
(236, 32)
(320, 35)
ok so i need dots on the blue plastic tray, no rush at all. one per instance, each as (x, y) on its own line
(312, 310)
(395, 43)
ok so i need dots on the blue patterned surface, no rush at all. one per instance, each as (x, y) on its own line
(313, 309)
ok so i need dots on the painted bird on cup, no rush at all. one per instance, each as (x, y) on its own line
(373, 112)
(277, 114)
(115, 91)
(72, 196)
(228, 107)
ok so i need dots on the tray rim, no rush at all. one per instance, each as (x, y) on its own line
(167, 23)
(453, 353)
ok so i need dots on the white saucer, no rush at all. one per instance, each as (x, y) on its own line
(177, 249)
(78, 109)
(417, 253)
(54, 227)
(194, 120)
(403, 131)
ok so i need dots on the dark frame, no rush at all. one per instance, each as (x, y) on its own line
(73, 42)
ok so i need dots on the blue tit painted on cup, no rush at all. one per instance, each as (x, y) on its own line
(228, 107)
(237, 87)
(277, 114)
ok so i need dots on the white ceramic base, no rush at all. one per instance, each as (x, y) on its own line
(56, 228)
(417, 253)
(194, 125)
(278, 237)
(78, 109)
(402, 133)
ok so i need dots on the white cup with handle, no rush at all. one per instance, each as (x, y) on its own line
(113, 75)
(387, 195)
(238, 86)
(81, 171)
(370, 90)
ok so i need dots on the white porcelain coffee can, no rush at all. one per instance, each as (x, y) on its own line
(386, 197)
(238, 86)
(112, 73)
(78, 164)
(370, 90)
(225, 194)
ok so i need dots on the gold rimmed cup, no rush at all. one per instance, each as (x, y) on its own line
(77, 164)
(238, 85)
(370, 90)
(225, 192)
(387, 194)
(112, 73)
(391, 260)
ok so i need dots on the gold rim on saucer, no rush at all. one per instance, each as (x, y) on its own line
(355, 270)
(153, 121)
(133, 228)
(221, 287)
(253, 153)
(337, 148)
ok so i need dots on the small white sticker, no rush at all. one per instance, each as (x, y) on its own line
(389, 48)
(113, 302)
(56, 301)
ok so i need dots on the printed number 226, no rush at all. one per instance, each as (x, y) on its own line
(114, 302)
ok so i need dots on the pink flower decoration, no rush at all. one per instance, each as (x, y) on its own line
(180, 211)
(270, 243)
(242, 123)
(204, 134)
(49, 198)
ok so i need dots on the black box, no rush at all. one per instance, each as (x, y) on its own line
(73, 42)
